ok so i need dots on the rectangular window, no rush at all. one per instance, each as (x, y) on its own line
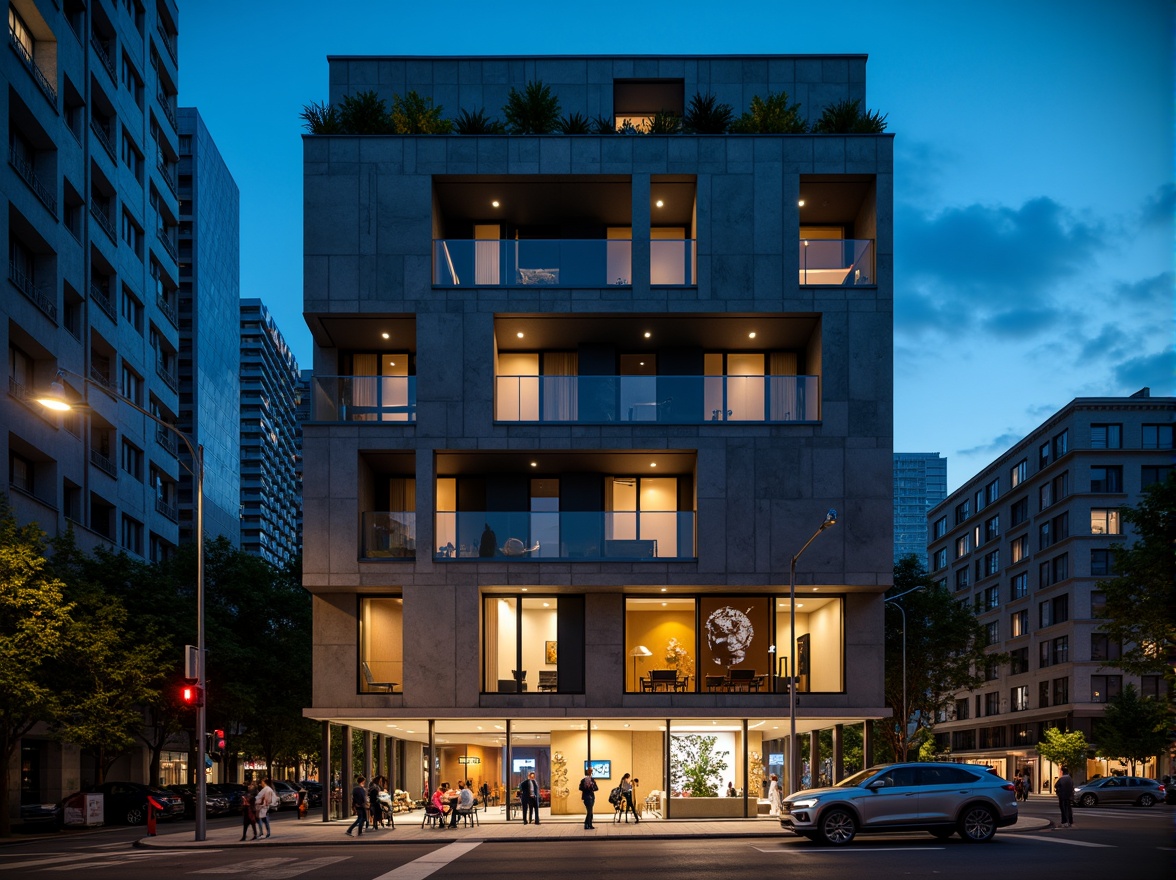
(980, 504)
(1018, 549)
(992, 563)
(1043, 694)
(381, 645)
(1106, 478)
(961, 710)
(1061, 486)
(991, 632)
(1018, 473)
(131, 385)
(1060, 650)
(992, 491)
(1044, 496)
(1043, 575)
(1044, 614)
(1043, 455)
(1098, 604)
(1060, 608)
(132, 234)
(1105, 687)
(1018, 661)
(963, 510)
(131, 156)
(1150, 474)
(20, 472)
(1152, 686)
(1105, 521)
(1045, 535)
(1103, 647)
(1061, 691)
(1043, 654)
(991, 598)
(940, 527)
(1019, 698)
(961, 579)
(132, 460)
(1104, 436)
(132, 310)
(940, 559)
(534, 644)
(1157, 436)
(992, 703)
(1019, 623)
(1061, 445)
(991, 670)
(991, 528)
(1061, 568)
(963, 545)
(1101, 563)
(131, 537)
(1019, 586)
(1019, 511)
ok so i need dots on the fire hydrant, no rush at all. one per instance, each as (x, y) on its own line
(152, 806)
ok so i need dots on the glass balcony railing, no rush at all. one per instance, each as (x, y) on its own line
(666, 400)
(389, 535)
(557, 262)
(364, 398)
(581, 535)
(840, 262)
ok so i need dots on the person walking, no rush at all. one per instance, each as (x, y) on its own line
(529, 794)
(627, 794)
(359, 803)
(375, 812)
(588, 789)
(484, 791)
(249, 812)
(774, 796)
(1064, 789)
(266, 800)
(1026, 784)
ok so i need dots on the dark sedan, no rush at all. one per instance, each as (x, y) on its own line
(215, 804)
(126, 802)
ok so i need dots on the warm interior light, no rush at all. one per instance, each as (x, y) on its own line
(386, 335)
(519, 334)
(653, 464)
(660, 203)
(534, 464)
(494, 204)
(800, 204)
(751, 335)
(647, 334)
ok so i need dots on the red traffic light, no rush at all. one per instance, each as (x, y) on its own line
(192, 695)
(218, 739)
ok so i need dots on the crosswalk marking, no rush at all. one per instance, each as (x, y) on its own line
(430, 863)
(1064, 840)
(822, 851)
(273, 868)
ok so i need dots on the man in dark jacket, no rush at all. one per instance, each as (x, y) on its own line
(1064, 789)
(588, 789)
(529, 795)
(359, 803)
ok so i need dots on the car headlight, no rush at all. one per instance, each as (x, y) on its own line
(805, 803)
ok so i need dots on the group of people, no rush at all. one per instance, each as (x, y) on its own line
(451, 803)
(255, 807)
(1022, 786)
(369, 812)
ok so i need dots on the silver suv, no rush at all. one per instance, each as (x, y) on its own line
(941, 798)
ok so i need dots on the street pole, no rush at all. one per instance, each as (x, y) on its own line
(56, 401)
(903, 710)
(793, 755)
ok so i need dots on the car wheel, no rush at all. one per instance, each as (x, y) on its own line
(978, 824)
(1088, 800)
(837, 827)
(136, 815)
(1146, 800)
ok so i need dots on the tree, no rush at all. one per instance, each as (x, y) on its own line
(34, 622)
(847, 117)
(944, 653)
(1132, 729)
(1064, 749)
(771, 115)
(697, 766)
(535, 110)
(1141, 598)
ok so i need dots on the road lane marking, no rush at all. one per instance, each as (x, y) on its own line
(1059, 840)
(274, 868)
(430, 863)
(850, 849)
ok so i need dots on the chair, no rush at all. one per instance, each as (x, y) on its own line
(548, 679)
(743, 679)
(663, 679)
(714, 682)
(520, 676)
(653, 803)
(379, 687)
(432, 816)
(470, 816)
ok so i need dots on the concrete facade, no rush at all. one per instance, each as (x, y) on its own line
(387, 219)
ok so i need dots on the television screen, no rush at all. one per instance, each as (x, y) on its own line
(775, 758)
(522, 765)
(600, 769)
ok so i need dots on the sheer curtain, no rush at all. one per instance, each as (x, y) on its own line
(365, 388)
(560, 400)
(783, 397)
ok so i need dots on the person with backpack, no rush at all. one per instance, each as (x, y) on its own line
(588, 789)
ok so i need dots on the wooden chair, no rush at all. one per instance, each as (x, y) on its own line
(432, 816)
(743, 680)
(663, 679)
(373, 686)
(714, 682)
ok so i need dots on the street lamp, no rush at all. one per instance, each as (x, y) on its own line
(906, 715)
(793, 762)
(55, 400)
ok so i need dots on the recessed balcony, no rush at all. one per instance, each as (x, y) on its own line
(841, 262)
(365, 398)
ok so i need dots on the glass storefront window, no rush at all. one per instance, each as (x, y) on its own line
(666, 628)
(820, 643)
(381, 645)
(521, 644)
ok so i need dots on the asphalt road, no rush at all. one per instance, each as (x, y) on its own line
(1111, 843)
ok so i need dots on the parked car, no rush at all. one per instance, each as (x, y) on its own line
(941, 798)
(215, 804)
(287, 792)
(41, 815)
(314, 792)
(234, 792)
(126, 802)
(1136, 790)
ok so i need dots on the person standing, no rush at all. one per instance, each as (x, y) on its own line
(484, 791)
(359, 803)
(529, 793)
(627, 794)
(266, 799)
(374, 810)
(249, 811)
(588, 789)
(1026, 784)
(1064, 789)
(774, 796)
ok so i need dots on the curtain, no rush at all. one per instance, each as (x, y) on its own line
(365, 390)
(560, 400)
(783, 396)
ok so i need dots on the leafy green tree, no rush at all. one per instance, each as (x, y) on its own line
(35, 621)
(847, 117)
(771, 115)
(1141, 598)
(706, 115)
(697, 766)
(535, 110)
(364, 113)
(1132, 729)
(1066, 749)
(944, 653)
(413, 114)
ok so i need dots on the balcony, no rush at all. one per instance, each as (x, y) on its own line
(25, 169)
(167, 510)
(103, 463)
(104, 138)
(167, 103)
(167, 440)
(34, 69)
(165, 239)
(563, 263)
(99, 298)
(165, 371)
(389, 535)
(365, 398)
(104, 221)
(100, 49)
(168, 310)
(169, 42)
(30, 289)
(842, 262)
(662, 400)
(601, 536)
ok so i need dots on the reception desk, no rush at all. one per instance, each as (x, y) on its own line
(707, 807)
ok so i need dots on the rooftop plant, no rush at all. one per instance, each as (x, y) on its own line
(706, 115)
(535, 110)
(477, 123)
(320, 118)
(364, 113)
(413, 114)
(574, 123)
(847, 117)
(664, 122)
(771, 115)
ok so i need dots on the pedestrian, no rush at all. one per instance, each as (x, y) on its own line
(1026, 784)
(627, 794)
(588, 789)
(1018, 788)
(529, 795)
(730, 789)
(359, 802)
(484, 791)
(374, 810)
(774, 796)
(266, 800)
(249, 811)
(1064, 789)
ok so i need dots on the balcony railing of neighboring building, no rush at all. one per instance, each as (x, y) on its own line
(557, 262)
(172, 513)
(169, 42)
(167, 374)
(665, 400)
(25, 169)
(166, 173)
(32, 290)
(389, 535)
(100, 378)
(604, 536)
(103, 463)
(99, 298)
(169, 311)
(165, 239)
(166, 102)
(167, 440)
(104, 56)
(99, 214)
(104, 138)
(837, 262)
(365, 398)
(31, 63)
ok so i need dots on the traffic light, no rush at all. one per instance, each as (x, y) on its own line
(218, 741)
(192, 695)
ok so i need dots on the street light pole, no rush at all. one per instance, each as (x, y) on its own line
(55, 400)
(906, 715)
(793, 756)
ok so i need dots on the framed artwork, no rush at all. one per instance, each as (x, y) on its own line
(549, 653)
(600, 769)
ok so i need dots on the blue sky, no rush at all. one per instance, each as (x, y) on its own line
(1034, 189)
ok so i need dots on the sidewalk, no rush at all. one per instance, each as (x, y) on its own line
(312, 832)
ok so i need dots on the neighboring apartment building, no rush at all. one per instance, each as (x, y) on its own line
(271, 494)
(1025, 542)
(920, 482)
(578, 400)
(210, 348)
(90, 210)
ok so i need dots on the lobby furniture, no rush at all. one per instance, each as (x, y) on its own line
(373, 686)
(548, 679)
(744, 680)
(664, 680)
(715, 682)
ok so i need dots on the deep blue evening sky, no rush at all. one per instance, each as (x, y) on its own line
(1033, 161)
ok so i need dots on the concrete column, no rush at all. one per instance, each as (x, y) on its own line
(815, 759)
(346, 773)
(367, 754)
(867, 744)
(325, 771)
(641, 224)
(838, 753)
